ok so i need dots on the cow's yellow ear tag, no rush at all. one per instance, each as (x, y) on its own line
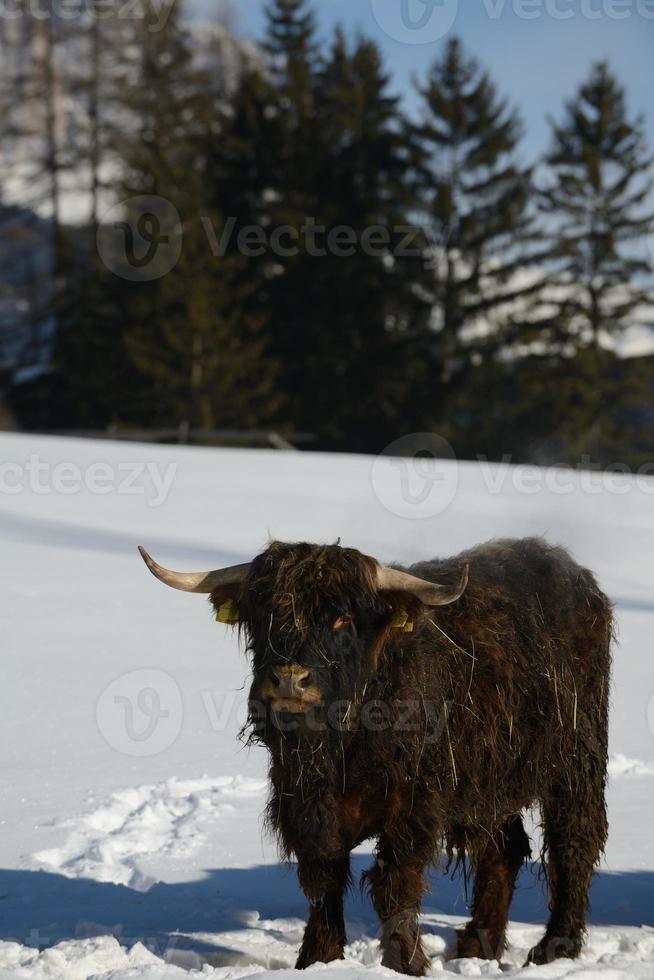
(400, 621)
(228, 612)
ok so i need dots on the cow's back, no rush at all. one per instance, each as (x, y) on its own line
(518, 668)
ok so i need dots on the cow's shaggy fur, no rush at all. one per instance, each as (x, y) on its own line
(434, 741)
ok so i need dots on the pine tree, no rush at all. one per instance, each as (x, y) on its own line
(108, 317)
(290, 42)
(336, 156)
(593, 200)
(599, 181)
(238, 175)
(318, 141)
(175, 348)
(293, 61)
(195, 341)
(369, 315)
(477, 201)
(282, 109)
(240, 167)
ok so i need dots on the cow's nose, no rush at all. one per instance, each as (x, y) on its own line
(290, 682)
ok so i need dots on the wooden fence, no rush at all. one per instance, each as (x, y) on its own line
(185, 435)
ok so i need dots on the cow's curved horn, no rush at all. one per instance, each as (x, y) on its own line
(431, 593)
(202, 582)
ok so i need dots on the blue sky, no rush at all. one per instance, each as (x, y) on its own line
(537, 50)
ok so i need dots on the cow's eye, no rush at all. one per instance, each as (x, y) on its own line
(343, 622)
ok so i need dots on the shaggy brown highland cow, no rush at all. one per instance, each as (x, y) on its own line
(407, 708)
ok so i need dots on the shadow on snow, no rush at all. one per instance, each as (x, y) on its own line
(38, 908)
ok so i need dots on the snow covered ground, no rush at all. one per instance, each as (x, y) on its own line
(130, 832)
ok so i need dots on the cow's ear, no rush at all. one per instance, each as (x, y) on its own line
(225, 604)
(417, 598)
(403, 610)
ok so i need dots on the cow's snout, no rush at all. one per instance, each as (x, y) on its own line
(290, 687)
(290, 682)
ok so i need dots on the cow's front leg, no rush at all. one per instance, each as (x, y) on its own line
(396, 884)
(324, 883)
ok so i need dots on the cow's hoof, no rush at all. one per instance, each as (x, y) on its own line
(478, 943)
(416, 968)
(401, 947)
(537, 956)
(550, 949)
(310, 956)
(413, 963)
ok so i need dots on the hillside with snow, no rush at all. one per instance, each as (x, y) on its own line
(131, 843)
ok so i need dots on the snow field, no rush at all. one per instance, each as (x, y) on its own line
(122, 858)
